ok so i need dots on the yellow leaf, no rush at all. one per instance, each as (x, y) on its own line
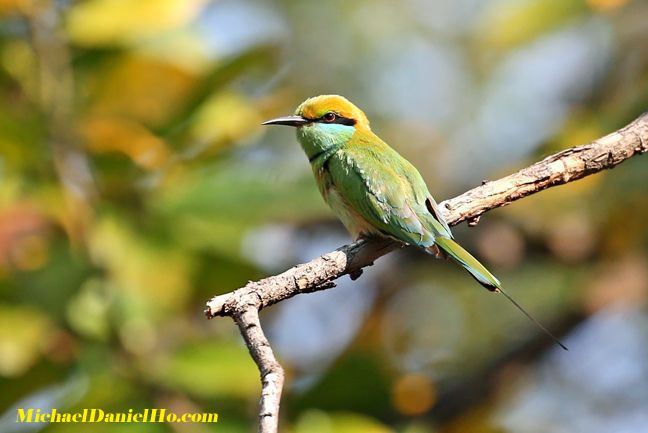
(225, 118)
(120, 22)
(184, 48)
(23, 333)
(104, 134)
(18, 59)
(148, 90)
(9, 7)
(508, 24)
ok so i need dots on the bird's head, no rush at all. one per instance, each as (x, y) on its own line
(324, 122)
(325, 110)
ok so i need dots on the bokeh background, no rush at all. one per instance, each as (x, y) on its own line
(136, 182)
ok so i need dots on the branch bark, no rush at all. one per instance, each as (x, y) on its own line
(243, 304)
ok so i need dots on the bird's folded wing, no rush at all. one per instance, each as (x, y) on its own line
(378, 190)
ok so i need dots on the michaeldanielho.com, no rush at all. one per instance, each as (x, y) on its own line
(99, 415)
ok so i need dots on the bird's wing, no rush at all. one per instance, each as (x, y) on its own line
(379, 187)
(438, 222)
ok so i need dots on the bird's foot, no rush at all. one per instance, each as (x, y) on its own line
(355, 274)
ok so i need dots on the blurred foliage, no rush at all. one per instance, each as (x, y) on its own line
(136, 181)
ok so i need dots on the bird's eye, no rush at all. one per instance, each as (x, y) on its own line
(329, 117)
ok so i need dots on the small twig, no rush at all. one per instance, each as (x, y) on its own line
(244, 304)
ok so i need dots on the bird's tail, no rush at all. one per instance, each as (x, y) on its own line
(484, 277)
(471, 264)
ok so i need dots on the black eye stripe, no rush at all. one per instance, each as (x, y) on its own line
(338, 119)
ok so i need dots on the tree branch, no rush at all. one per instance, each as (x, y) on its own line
(272, 375)
(244, 304)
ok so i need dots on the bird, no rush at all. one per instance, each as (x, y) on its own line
(374, 190)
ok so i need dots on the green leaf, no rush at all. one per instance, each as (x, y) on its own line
(209, 369)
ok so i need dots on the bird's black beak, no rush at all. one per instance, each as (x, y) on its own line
(287, 120)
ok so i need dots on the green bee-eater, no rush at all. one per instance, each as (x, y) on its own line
(372, 188)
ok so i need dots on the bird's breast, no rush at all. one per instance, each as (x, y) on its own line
(355, 223)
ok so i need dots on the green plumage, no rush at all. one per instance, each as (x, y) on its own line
(373, 189)
(389, 194)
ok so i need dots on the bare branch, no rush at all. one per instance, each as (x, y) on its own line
(272, 375)
(243, 304)
(560, 168)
